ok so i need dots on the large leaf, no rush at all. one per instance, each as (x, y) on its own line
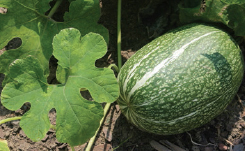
(77, 118)
(25, 19)
(229, 12)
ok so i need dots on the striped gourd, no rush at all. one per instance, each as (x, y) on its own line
(180, 80)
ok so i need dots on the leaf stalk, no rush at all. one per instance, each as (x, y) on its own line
(54, 9)
(10, 119)
(119, 34)
(113, 66)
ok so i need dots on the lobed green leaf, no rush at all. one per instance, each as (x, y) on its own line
(27, 20)
(77, 118)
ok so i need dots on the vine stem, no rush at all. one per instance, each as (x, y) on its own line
(119, 7)
(10, 119)
(113, 66)
(53, 10)
(91, 141)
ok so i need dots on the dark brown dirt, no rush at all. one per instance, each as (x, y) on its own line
(142, 21)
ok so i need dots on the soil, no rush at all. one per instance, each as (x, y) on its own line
(142, 21)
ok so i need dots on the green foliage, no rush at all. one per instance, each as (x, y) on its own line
(3, 145)
(27, 20)
(77, 118)
(239, 2)
(229, 12)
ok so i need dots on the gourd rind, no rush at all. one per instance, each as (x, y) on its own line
(180, 80)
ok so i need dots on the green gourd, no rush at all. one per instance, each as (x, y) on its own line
(180, 80)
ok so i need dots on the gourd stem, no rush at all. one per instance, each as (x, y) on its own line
(72, 148)
(54, 9)
(91, 141)
(10, 119)
(119, 61)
